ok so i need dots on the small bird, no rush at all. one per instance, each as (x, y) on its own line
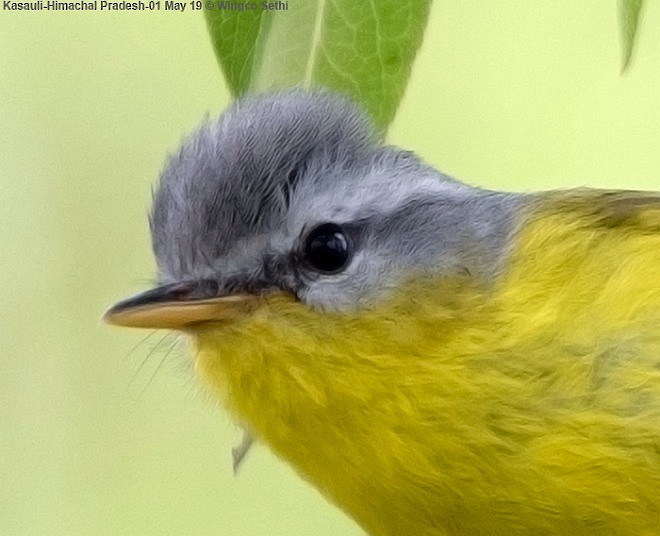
(434, 357)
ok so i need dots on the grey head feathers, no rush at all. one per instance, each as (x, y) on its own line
(238, 200)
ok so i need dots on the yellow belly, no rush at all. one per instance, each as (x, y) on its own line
(530, 405)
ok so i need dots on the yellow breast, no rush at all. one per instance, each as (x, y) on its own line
(530, 405)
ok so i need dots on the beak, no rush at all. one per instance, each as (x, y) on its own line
(179, 306)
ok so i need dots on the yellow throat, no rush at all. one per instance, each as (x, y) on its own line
(530, 405)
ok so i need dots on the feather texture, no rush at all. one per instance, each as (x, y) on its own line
(529, 404)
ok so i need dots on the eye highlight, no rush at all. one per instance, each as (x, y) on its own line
(326, 248)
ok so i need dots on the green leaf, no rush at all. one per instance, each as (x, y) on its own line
(363, 48)
(234, 35)
(629, 16)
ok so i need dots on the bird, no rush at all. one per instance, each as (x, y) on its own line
(434, 357)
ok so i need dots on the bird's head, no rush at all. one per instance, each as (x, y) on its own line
(294, 194)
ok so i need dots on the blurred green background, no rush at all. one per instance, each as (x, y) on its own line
(104, 432)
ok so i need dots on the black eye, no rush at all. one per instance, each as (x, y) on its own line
(326, 248)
